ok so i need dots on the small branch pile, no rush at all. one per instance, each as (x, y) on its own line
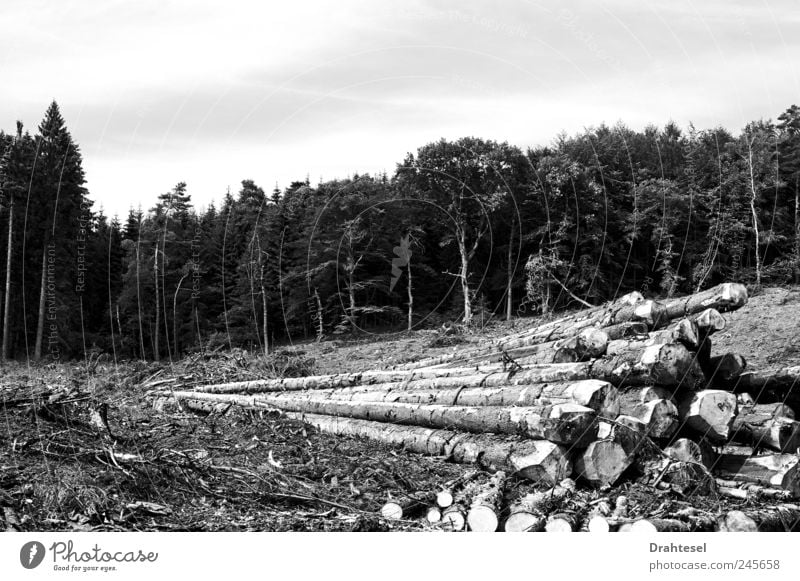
(630, 391)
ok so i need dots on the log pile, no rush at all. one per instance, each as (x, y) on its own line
(630, 390)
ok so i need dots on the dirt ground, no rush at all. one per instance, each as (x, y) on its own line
(81, 447)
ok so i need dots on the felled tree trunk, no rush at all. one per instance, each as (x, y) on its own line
(649, 312)
(597, 395)
(759, 430)
(627, 330)
(724, 297)
(569, 424)
(588, 344)
(782, 380)
(781, 518)
(710, 413)
(536, 460)
(776, 470)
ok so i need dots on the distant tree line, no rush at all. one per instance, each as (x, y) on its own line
(463, 230)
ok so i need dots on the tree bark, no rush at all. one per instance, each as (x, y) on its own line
(785, 380)
(535, 460)
(781, 518)
(7, 306)
(600, 396)
(569, 424)
(776, 470)
(647, 312)
(589, 343)
(724, 297)
(781, 434)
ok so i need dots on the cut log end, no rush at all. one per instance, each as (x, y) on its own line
(482, 519)
(524, 522)
(453, 520)
(598, 524)
(434, 515)
(444, 498)
(392, 511)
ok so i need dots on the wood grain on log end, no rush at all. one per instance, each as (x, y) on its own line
(524, 522)
(711, 413)
(541, 461)
(602, 463)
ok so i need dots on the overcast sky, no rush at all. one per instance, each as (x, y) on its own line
(210, 93)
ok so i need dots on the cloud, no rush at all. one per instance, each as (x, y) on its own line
(212, 93)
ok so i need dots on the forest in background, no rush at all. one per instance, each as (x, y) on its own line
(464, 230)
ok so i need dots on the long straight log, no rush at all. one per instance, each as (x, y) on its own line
(597, 395)
(649, 312)
(667, 365)
(570, 424)
(777, 470)
(710, 413)
(748, 491)
(589, 343)
(724, 297)
(341, 380)
(536, 460)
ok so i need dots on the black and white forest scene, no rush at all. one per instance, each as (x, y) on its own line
(418, 266)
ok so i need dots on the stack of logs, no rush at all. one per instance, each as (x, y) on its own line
(631, 389)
